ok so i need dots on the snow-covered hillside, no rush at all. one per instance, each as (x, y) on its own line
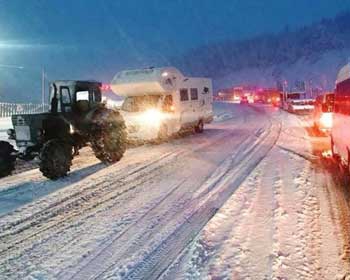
(312, 54)
(319, 73)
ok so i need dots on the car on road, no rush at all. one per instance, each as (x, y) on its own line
(301, 106)
(244, 100)
(160, 102)
(276, 101)
(323, 112)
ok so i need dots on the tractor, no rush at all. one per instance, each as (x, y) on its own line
(77, 117)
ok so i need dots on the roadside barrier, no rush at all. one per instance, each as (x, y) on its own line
(9, 109)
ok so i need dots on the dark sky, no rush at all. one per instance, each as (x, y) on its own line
(76, 39)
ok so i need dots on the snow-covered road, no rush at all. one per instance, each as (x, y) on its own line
(244, 200)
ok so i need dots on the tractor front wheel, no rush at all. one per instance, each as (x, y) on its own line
(56, 159)
(109, 139)
(7, 160)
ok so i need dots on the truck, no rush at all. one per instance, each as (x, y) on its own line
(160, 102)
(77, 117)
(340, 132)
(323, 112)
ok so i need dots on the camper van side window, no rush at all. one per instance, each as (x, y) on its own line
(194, 94)
(184, 94)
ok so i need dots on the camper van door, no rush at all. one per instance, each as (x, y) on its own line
(185, 106)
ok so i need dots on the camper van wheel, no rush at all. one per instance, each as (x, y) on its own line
(163, 132)
(199, 128)
(7, 161)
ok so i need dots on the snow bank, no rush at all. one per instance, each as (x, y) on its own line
(5, 124)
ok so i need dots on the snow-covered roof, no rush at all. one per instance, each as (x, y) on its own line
(146, 81)
(344, 74)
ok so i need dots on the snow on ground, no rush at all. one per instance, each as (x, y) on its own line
(5, 124)
(277, 225)
(231, 203)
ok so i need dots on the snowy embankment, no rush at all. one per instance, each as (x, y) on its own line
(279, 224)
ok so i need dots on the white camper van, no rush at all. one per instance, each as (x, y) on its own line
(161, 101)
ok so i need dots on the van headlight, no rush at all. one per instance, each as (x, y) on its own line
(326, 120)
(152, 117)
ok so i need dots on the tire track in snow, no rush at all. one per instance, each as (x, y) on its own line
(152, 263)
(67, 218)
(184, 198)
(79, 190)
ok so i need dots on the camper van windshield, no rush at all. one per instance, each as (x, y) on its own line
(140, 103)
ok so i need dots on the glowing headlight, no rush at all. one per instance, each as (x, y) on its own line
(152, 117)
(71, 129)
(326, 120)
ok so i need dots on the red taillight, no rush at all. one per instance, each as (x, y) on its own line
(105, 87)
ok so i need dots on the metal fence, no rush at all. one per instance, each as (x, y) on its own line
(9, 109)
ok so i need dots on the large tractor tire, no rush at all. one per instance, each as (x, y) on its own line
(109, 137)
(7, 160)
(56, 159)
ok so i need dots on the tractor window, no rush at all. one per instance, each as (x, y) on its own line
(65, 96)
(96, 95)
(82, 96)
(65, 99)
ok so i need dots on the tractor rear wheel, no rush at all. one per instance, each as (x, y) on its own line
(7, 160)
(56, 159)
(109, 137)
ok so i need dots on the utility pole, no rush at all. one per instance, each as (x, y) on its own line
(43, 87)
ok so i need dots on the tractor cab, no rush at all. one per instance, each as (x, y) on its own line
(76, 117)
(76, 97)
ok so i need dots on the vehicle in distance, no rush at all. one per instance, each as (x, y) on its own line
(323, 112)
(291, 96)
(244, 100)
(159, 102)
(77, 116)
(340, 133)
(301, 106)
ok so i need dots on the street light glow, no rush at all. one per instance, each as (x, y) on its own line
(11, 66)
